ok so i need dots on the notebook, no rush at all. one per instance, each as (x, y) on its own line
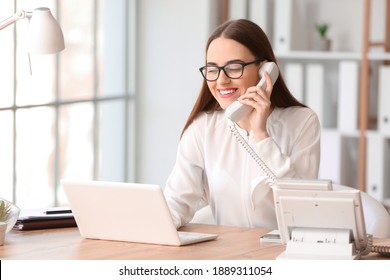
(125, 212)
(54, 217)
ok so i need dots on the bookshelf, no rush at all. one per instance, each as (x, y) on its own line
(370, 63)
(345, 150)
(379, 185)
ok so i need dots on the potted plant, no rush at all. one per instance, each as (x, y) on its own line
(9, 213)
(323, 43)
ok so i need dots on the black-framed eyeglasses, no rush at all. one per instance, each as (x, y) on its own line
(233, 70)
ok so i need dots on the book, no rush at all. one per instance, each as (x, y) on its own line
(331, 151)
(261, 12)
(45, 219)
(294, 79)
(348, 86)
(290, 32)
(384, 100)
(378, 179)
(315, 90)
(283, 25)
(31, 224)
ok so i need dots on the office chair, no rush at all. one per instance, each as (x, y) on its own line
(376, 217)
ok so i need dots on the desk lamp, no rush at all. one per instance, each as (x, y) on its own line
(44, 37)
(44, 33)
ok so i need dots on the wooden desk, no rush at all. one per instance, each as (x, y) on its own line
(61, 244)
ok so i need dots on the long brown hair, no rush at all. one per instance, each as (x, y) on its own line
(253, 37)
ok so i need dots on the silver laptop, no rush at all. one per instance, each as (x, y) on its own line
(125, 212)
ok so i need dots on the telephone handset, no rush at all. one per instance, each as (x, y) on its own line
(236, 111)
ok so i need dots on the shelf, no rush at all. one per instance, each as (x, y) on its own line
(371, 132)
(356, 133)
(323, 55)
(380, 56)
(349, 134)
(318, 55)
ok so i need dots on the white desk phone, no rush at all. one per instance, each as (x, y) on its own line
(315, 221)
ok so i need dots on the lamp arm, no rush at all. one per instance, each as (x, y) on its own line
(15, 17)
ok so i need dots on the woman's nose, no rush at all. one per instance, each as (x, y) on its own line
(223, 79)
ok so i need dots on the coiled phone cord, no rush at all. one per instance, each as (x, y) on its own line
(368, 247)
(252, 153)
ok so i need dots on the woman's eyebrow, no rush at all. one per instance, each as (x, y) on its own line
(234, 61)
(229, 62)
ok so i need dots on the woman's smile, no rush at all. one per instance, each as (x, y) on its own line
(227, 92)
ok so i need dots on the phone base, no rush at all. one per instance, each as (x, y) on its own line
(315, 244)
(285, 256)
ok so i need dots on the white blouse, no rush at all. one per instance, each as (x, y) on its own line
(211, 165)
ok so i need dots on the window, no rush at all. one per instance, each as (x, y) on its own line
(74, 116)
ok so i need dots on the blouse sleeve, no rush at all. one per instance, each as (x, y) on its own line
(292, 151)
(186, 184)
(301, 155)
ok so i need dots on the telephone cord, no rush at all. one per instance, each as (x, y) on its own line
(368, 247)
(252, 153)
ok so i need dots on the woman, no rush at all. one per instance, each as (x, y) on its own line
(212, 165)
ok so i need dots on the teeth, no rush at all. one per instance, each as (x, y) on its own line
(224, 92)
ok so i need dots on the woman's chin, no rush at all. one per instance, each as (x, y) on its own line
(225, 105)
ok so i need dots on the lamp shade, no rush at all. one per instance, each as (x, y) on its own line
(44, 33)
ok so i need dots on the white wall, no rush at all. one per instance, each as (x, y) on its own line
(170, 49)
